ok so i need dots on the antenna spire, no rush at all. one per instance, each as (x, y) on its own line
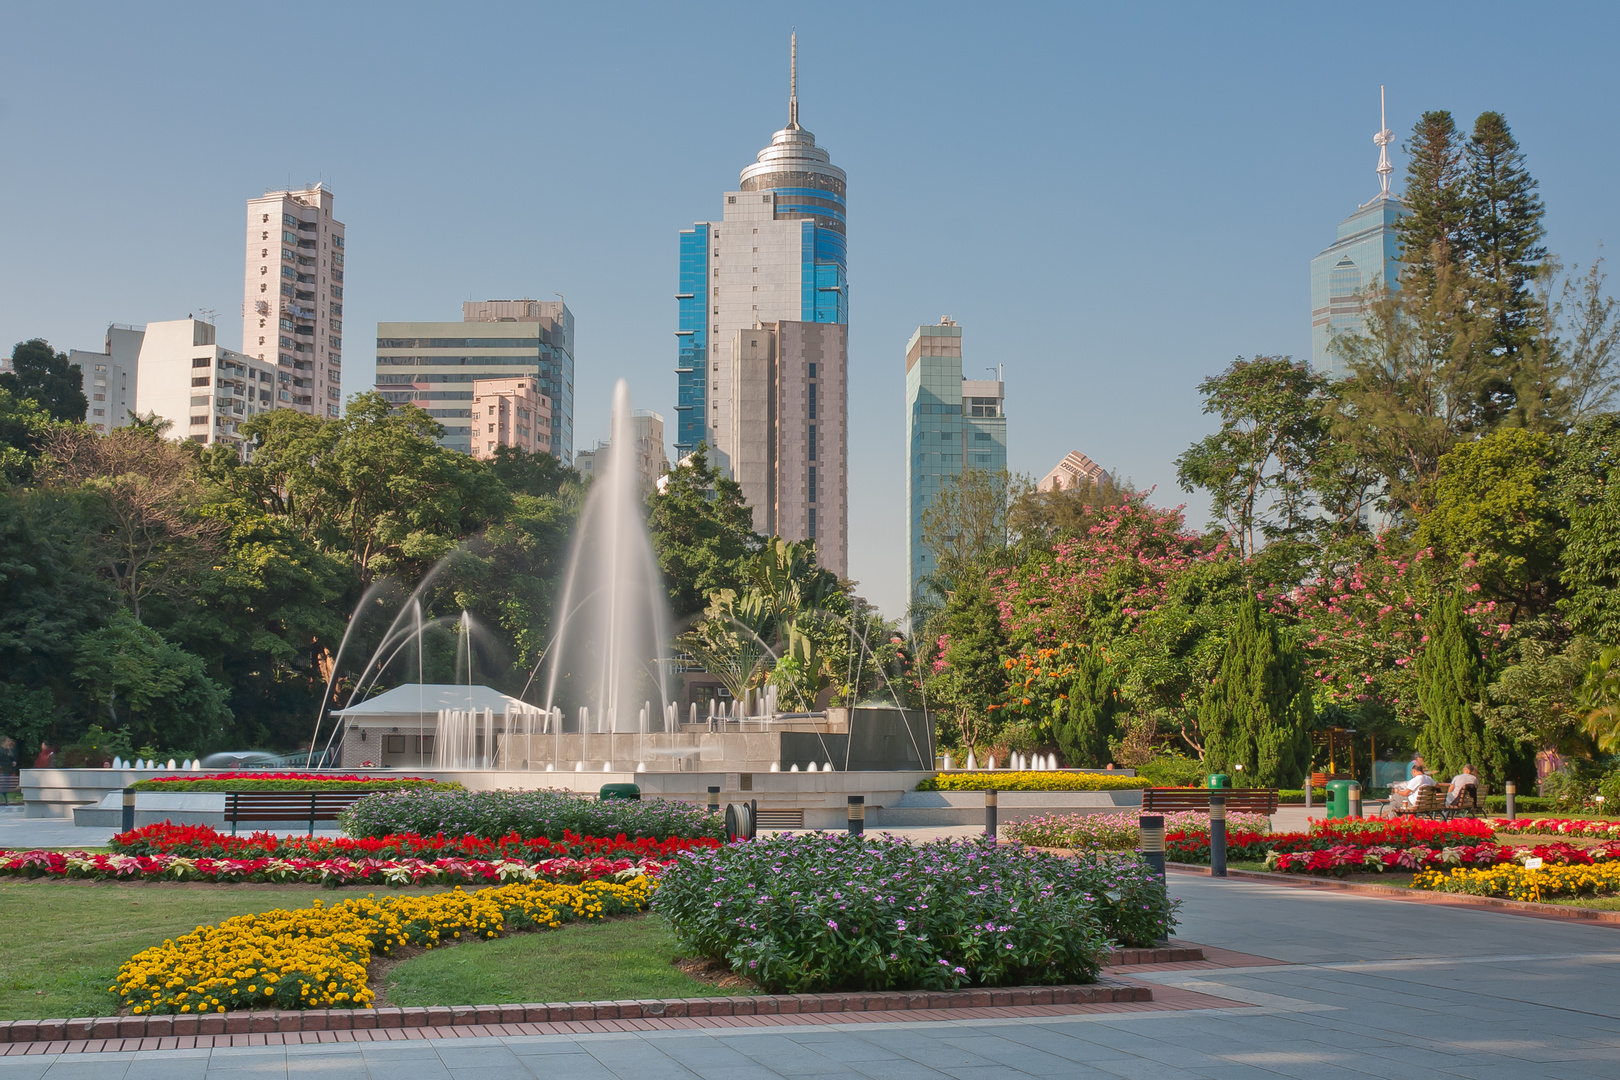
(1383, 139)
(793, 81)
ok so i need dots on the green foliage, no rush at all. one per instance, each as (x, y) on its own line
(969, 676)
(1172, 770)
(702, 531)
(964, 526)
(1591, 553)
(156, 691)
(1494, 513)
(1502, 233)
(1088, 723)
(41, 373)
(239, 784)
(529, 814)
(96, 747)
(1255, 716)
(1451, 684)
(25, 426)
(26, 714)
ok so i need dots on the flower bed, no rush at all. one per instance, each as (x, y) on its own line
(203, 841)
(1120, 832)
(813, 912)
(316, 957)
(1192, 845)
(331, 872)
(528, 814)
(262, 781)
(1514, 882)
(1014, 780)
(1601, 830)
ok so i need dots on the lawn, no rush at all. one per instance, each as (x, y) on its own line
(616, 960)
(64, 940)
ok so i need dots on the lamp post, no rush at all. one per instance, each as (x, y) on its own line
(1217, 835)
(990, 813)
(1151, 828)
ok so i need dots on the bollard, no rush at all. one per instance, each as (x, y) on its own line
(1151, 827)
(857, 815)
(1217, 835)
(129, 809)
(1355, 799)
(990, 813)
(1510, 789)
(714, 800)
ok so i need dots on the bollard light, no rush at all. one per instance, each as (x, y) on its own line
(990, 813)
(1510, 789)
(1217, 834)
(1151, 828)
(1355, 799)
(714, 799)
(857, 815)
(129, 809)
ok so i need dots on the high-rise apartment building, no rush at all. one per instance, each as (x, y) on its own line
(434, 364)
(1366, 255)
(764, 300)
(203, 389)
(510, 412)
(292, 310)
(952, 424)
(111, 376)
(652, 462)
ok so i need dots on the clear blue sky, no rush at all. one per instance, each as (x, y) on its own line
(1113, 201)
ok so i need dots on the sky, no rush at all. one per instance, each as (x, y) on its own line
(1114, 201)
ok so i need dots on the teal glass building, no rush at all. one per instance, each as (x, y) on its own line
(1366, 254)
(952, 424)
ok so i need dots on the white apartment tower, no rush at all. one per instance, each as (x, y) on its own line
(110, 376)
(292, 309)
(204, 390)
(763, 340)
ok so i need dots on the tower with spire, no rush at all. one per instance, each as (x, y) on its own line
(763, 338)
(1366, 256)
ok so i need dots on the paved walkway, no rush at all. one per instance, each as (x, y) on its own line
(1365, 987)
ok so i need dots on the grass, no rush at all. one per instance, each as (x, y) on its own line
(620, 959)
(64, 941)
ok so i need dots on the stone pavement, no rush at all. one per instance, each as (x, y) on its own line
(1364, 987)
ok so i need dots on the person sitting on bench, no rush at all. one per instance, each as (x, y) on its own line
(1465, 779)
(1409, 790)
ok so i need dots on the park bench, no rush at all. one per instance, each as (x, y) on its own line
(308, 806)
(1248, 800)
(1431, 803)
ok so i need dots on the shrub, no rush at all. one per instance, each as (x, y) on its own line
(292, 782)
(1013, 780)
(529, 814)
(814, 912)
(1172, 770)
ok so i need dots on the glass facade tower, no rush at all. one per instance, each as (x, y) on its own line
(952, 424)
(1367, 253)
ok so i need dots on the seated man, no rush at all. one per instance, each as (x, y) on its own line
(1465, 779)
(1405, 794)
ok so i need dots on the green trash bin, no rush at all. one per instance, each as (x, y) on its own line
(1338, 798)
(1219, 780)
(630, 792)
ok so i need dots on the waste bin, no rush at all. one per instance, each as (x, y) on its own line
(1338, 798)
(1219, 780)
(631, 792)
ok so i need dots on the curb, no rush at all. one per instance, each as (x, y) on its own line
(1522, 908)
(1104, 991)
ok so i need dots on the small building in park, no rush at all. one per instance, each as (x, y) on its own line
(401, 729)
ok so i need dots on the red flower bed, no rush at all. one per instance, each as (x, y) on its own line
(204, 841)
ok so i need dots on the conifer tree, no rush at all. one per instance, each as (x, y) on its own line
(1431, 231)
(1083, 732)
(1257, 711)
(1451, 681)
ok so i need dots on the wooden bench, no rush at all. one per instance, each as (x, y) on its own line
(310, 806)
(1248, 800)
(1431, 803)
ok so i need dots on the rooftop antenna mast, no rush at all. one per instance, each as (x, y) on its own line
(793, 80)
(1383, 139)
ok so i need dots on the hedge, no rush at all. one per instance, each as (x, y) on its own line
(1013, 780)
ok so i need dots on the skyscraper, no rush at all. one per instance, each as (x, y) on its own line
(952, 424)
(292, 310)
(1366, 254)
(434, 364)
(763, 354)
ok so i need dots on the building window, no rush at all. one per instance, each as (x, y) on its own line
(394, 744)
(812, 442)
(812, 371)
(812, 401)
(812, 483)
(812, 523)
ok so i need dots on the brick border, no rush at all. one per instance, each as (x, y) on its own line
(1104, 991)
(1522, 908)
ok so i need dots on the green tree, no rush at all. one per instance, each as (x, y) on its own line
(1258, 711)
(523, 473)
(1585, 468)
(702, 531)
(1431, 230)
(1587, 323)
(969, 678)
(1093, 703)
(158, 692)
(1040, 519)
(964, 525)
(1451, 687)
(1495, 515)
(25, 428)
(43, 374)
(1257, 467)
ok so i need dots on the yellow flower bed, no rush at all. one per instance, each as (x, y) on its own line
(1516, 883)
(316, 957)
(1012, 780)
